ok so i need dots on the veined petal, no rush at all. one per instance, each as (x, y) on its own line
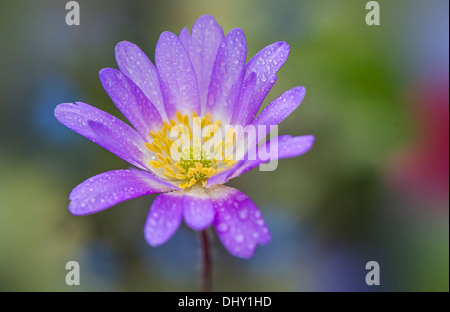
(206, 37)
(164, 218)
(227, 76)
(238, 222)
(110, 188)
(198, 209)
(177, 77)
(137, 66)
(105, 130)
(265, 64)
(131, 101)
(280, 108)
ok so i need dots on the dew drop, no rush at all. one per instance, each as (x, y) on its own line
(239, 238)
(222, 227)
(243, 214)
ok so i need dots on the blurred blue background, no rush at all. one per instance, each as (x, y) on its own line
(374, 187)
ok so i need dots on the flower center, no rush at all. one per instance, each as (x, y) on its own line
(193, 154)
(185, 151)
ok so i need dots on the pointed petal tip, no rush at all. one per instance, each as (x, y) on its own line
(184, 31)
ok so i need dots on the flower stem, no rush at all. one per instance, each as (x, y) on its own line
(206, 262)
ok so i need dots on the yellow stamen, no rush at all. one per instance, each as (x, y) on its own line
(194, 164)
(155, 164)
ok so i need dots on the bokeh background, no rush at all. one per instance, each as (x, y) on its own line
(375, 186)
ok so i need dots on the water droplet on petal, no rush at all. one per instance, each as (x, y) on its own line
(243, 214)
(222, 227)
(239, 238)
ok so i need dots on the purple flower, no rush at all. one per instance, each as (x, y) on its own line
(200, 78)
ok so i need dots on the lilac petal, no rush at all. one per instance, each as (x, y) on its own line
(105, 130)
(265, 64)
(245, 99)
(137, 66)
(131, 101)
(185, 38)
(287, 147)
(164, 218)
(227, 75)
(177, 77)
(110, 188)
(198, 209)
(223, 176)
(281, 107)
(206, 37)
(238, 222)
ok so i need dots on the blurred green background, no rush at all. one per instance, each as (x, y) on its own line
(374, 187)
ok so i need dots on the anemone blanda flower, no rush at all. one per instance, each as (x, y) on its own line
(200, 78)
